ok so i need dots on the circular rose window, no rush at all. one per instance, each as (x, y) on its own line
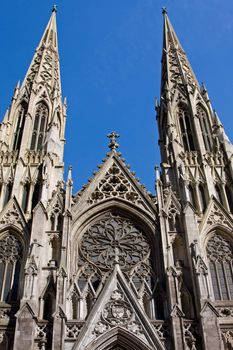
(114, 240)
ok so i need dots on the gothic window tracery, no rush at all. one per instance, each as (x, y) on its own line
(20, 121)
(39, 128)
(220, 257)
(205, 128)
(56, 218)
(11, 253)
(186, 130)
(113, 240)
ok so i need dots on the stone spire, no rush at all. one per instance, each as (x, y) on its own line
(176, 69)
(44, 68)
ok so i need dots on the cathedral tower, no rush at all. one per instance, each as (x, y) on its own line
(114, 267)
(195, 201)
(32, 131)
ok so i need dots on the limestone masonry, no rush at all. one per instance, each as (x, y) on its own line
(114, 267)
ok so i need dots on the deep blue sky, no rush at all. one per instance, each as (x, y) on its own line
(110, 55)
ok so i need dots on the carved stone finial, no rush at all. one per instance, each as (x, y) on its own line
(54, 9)
(113, 137)
(164, 10)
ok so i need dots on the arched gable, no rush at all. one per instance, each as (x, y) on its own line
(117, 338)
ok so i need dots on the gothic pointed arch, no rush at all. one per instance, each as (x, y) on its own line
(219, 252)
(205, 126)
(118, 339)
(19, 125)
(115, 235)
(41, 115)
(48, 299)
(185, 127)
(12, 258)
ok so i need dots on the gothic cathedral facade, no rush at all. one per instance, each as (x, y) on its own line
(114, 267)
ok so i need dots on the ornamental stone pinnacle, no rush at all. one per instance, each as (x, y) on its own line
(113, 137)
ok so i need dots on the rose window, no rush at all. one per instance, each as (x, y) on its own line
(114, 240)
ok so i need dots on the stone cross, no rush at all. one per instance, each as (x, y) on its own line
(113, 137)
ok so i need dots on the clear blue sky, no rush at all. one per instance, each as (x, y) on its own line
(110, 55)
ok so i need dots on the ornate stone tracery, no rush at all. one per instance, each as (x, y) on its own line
(114, 184)
(219, 249)
(114, 239)
(10, 248)
(118, 312)
(220, 256)
(11, 253)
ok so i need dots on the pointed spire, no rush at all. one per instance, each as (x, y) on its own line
(176, 69)
(49, 38)
(16, 91)
(44, 68)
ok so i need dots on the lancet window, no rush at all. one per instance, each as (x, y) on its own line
(202, 195)
(25, 196)
(220, 257)
(39, 128)
(186, 130)
(8, 191)
(192, 196)
(205, 128)
(113, 240)
(20, 121)
(11, 252)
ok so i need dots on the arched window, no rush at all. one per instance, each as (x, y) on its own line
(219, 194)
(25, 196)
(205, 128)
(11, 252)
(202, 197)
(186, 130)
(8, 191)
(220, 257)
(20, 121)
(39, 128)
(114, 239)
(229, 198)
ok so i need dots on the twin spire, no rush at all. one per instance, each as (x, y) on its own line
(45, 68)
(176, 69)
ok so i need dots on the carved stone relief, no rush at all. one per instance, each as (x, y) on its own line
(11, 216)
(118, 312)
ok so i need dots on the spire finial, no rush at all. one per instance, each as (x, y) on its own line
(113, 143)
(164, 10)
(54, 9)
